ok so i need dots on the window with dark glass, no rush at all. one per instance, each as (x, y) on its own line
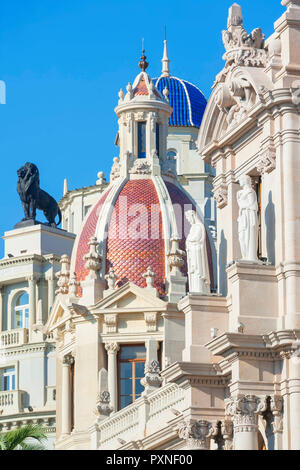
(157, 139)
(131, 370)
(142, 139)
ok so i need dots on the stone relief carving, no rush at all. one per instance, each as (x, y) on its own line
(267, 162)
(198, 268)
(140, 167)
(247, 220)
(151, 321)
(221, 196)
(111, 322)
(243, 48)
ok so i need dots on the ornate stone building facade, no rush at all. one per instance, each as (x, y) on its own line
(143, 362)
(27, 356)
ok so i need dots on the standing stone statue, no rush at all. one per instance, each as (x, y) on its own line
(248, 219)
(198, 268)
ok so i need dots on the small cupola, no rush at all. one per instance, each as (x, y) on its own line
(143, 124)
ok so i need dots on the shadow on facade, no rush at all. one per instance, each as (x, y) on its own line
(270, 228)
(222, 265)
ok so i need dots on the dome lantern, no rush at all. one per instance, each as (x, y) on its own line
(143, 126)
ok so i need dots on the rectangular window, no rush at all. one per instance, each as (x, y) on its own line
(142, 139)
(86, 209)
(131, 370)
(157, 139)
(8, 379)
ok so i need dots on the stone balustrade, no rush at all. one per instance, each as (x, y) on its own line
(11, 338)
(141, 418)
(12, 401)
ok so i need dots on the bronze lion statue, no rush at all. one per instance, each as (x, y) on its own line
(33, 197)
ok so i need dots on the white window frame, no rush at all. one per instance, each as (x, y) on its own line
(22, 309)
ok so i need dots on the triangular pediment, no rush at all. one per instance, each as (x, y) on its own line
(130, 297)
(59, 314)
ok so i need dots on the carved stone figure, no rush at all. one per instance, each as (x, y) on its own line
(247, 220)
(33, 197)
(198, 268)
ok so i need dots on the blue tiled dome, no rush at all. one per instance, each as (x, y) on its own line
(187, 101)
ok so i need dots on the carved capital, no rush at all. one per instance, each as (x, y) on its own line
(197, 434)
(68, 360)
(244, 410)
(112, 348)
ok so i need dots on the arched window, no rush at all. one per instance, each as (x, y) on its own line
(171, 154)
(21, 311)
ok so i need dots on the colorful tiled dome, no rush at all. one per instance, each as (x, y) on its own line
(187, 101)
(134, 237)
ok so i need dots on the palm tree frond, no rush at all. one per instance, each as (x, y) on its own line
(15, 438)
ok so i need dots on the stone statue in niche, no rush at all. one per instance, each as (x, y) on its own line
(198, 268)
(248, 219)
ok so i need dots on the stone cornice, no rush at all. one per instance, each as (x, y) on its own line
(275, 101)
(29, 259)
(28, 349)
(196, 302)
(71, 195)
(266, 346)
(195, 374)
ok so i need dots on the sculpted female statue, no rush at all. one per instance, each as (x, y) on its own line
(198, 268)
(248, 219)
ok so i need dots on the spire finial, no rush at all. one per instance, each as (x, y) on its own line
(165, 59)
(143, 64)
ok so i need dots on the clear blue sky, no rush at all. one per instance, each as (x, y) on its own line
(64, 62)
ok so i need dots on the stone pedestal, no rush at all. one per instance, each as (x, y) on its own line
(38, 240)
(254, 297)
(202, 314)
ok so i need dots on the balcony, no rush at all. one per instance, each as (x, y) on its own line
(142, 418)
(11, 338)
(12, 401)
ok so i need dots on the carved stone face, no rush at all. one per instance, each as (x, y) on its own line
(245, 181)
(190, 216)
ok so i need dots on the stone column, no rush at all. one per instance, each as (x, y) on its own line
(1, 308)
(294, 389)
(66, 395)
(32, 301)
(245, 410)
(112, 350)
(197, 434)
